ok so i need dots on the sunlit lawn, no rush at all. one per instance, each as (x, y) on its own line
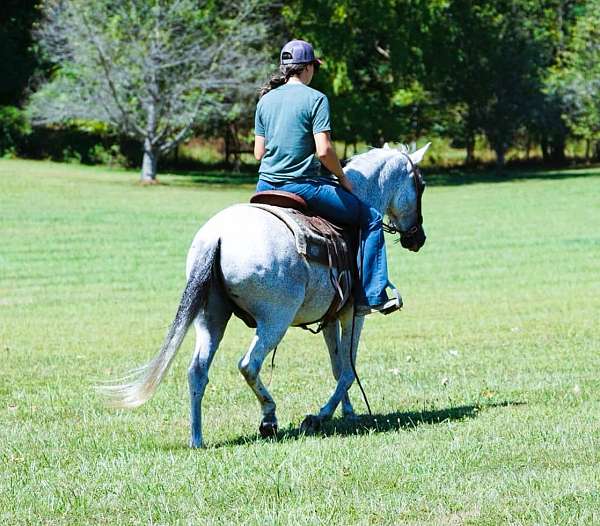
(486, 388)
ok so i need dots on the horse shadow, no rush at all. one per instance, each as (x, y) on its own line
(376, 423)
(465, 176)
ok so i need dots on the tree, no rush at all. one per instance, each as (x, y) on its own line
(152, 70)
(373, 66)
(488, 61)
(576, 78)
(17, 61)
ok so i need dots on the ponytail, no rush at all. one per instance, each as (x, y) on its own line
(279, 79)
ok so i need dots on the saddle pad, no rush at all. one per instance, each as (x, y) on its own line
(315, 237)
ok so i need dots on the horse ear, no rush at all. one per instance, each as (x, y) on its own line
(417, 157)
(386, 146)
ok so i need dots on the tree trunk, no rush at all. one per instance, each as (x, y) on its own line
(149, 163)
(545, 149)
(470, 146)
(588, 148)
(237, 147)
(150, 159)
(227, 146)
(558, 150)
(500, 156)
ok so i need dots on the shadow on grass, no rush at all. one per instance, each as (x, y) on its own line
(433, 176)
(456, 177)
(366, 424)
(219, 178)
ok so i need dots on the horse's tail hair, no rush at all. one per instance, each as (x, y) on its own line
(139, 385)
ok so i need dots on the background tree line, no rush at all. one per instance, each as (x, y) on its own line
(519, 73)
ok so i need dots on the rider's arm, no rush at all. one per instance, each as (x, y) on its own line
(327, 155)
(259, 147)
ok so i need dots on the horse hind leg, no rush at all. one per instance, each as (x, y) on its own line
(267, 337)
(210, 326)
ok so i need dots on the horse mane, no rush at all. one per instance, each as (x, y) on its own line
(374, 158)
(371, 162)
(370, 173)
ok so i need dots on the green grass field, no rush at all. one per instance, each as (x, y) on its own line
(486, 388)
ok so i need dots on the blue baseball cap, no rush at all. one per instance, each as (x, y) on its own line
(297, 52)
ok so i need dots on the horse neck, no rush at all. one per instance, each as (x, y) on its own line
(372, 181)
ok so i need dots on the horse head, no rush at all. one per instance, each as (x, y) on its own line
(404, 209)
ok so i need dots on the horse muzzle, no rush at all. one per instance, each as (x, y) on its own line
(413, 239)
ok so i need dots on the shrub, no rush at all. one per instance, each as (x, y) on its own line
(14, 130)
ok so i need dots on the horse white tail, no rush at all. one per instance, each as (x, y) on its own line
(140, 384)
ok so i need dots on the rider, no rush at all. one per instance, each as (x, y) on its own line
(292, 141)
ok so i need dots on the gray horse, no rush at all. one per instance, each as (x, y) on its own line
(260, 270)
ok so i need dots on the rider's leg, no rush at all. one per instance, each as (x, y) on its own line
(337, 204)
(372, 258)
(263, 186)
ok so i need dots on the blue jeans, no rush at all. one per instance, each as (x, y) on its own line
(340, 206)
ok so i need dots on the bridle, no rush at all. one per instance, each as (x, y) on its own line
(406, 236)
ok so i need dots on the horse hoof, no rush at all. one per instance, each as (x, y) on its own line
(311, 424)
(196, 444)
(268, 429)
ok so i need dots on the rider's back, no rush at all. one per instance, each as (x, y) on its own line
(288, 117)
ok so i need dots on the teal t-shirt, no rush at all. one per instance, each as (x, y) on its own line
(288, 117)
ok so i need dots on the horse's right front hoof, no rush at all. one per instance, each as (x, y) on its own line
(310, 425)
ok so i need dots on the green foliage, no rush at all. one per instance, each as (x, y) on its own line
(14, 129)
(399, 69)
(489, 60)
(372, 54)
(152, 71)
(576, 79)
(519, 72)
(17, 59)
(485, 386)
(88, 142)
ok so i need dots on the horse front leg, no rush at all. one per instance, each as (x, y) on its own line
(348, 343)
(331, 334)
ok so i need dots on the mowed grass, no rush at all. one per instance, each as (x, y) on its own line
(486, 388)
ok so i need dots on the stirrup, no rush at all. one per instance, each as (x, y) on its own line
(397, 298)
(394, 304)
